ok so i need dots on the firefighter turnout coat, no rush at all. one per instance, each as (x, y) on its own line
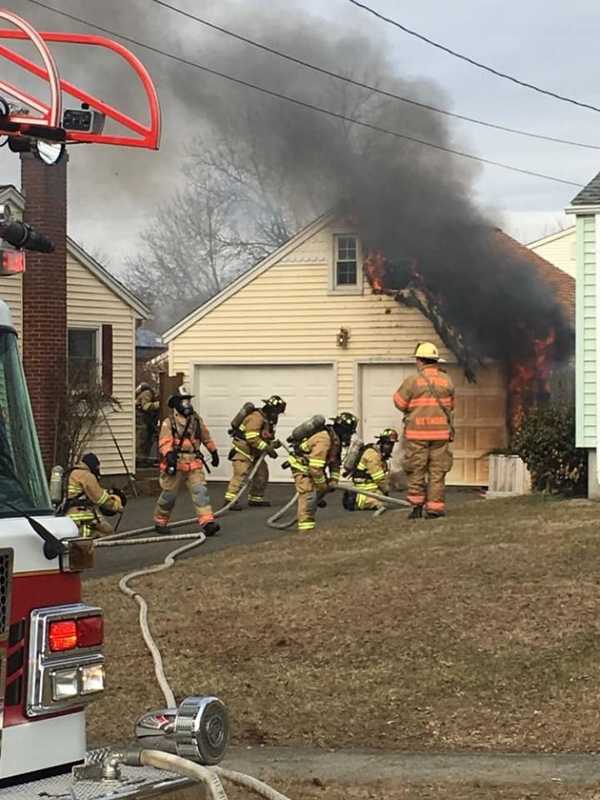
(371, 474)
(316, 468)
(86, 499)
(251, 440)
(427, 402)
(183, 436)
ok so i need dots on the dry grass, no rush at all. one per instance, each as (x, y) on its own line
(479, 632)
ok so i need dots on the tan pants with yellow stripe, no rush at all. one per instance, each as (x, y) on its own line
(241, 467)
(426, 465)
(89, 523)
(364, 503)
(307, 501)
(195, 482)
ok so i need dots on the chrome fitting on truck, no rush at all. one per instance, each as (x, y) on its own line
(198, 730)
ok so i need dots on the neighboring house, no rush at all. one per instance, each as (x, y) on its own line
(586, 208)
(280, 328)
(148, 345)
(102, 317)
(558, 249)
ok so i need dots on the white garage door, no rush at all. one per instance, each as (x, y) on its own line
(221, 390)
(480, 415)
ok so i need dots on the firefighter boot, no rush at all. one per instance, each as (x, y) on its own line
(416, 513)
(237, 506)
(436, 514)
(162, 529)
(211, 528)
(259, 503)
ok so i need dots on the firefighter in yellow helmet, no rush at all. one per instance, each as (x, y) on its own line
(254, 436)
(316, 464)
(372, 472)
(181, 435)
(88, 501)
(427, 402)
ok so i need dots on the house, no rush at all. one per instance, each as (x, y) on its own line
(148, 345)
(305, 323)
(586, 209)
(102, 317)
(558, 249)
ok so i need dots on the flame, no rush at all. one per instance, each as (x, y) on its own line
(375, 267)
(529, 379)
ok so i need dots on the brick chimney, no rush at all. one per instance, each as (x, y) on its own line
(45, 297)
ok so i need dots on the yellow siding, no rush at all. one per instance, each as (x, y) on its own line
(558, 250)
(289, 314)
(11, 293)
(91, 303)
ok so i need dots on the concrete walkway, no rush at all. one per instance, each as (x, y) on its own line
(368, 766)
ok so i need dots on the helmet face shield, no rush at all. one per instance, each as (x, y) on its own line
(185, 407)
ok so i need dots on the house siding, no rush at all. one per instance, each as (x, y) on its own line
(586, 347)
(91, 303)
(11, 291)
(289, 313)
(559, 250)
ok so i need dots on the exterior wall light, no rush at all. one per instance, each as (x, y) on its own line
(343, 337)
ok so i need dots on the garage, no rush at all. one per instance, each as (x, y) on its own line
(221, 389)
(480, 415)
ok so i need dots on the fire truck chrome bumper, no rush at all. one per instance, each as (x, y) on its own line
(134, 782)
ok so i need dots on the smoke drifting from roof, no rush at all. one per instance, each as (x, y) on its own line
(406, 199)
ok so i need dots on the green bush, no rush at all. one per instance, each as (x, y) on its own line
(546, 443)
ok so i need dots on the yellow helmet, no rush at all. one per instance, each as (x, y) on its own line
(427, 350)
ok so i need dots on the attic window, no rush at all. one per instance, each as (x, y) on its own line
(347, 272)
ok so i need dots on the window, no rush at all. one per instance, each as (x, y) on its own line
(84, 356)
(346, 273)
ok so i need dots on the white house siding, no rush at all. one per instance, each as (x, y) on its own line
(586, 356)
(559, 249)
(90, 303)
(11, 291)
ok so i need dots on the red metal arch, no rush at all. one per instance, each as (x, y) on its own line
(48, 118)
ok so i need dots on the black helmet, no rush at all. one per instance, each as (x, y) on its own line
(143, 387)
(92, 462)
(274, 406)
(345, 425)
(386, 441)
(180, 401)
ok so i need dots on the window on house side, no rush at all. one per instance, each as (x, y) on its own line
(346, 262)
(83, 355)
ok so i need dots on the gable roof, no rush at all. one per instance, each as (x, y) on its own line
(76, 251)
(589, 195)
(552, 237)
(559, 281)
(247, 277)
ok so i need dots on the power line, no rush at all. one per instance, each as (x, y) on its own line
(302, 103)
(472, 61)
(375, 89)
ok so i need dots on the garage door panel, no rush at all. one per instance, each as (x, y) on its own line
(221, 390)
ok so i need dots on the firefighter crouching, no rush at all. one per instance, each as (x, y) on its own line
(181, 463)
(427, 401)
(371, 472)
(253, 432)
(146, 420)
(316, 462)
(87, 500)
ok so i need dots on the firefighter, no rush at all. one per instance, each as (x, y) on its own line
(181, 463)
(316, 465)
(87, 500)
(254, 436)
(372, 472)
(146, 420)
(427, 402)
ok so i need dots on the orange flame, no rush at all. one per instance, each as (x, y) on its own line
(375, 267)
(529, 381)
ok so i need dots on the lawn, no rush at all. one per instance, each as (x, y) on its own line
(478, 632)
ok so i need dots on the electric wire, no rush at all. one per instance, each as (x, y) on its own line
(310, 106)
(472, 61)
(377, 90)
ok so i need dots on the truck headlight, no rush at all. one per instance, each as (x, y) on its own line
(92, 678)
(65, 684)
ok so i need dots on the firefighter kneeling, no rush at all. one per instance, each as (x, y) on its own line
(316, 461)
(253, 433)
(181, 435)
(370, 471)
(87, 500)
(427, 401)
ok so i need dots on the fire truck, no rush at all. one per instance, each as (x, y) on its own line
(51, 660)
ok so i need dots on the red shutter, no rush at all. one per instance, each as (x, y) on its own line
(107, 359)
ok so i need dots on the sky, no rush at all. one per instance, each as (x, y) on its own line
(114, 193)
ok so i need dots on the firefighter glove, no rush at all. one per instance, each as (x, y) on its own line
(117, 503)
(171, 460)
(214, 458)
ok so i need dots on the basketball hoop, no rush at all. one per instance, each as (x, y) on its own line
(44, 119)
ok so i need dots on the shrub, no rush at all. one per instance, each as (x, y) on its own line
(545, 441)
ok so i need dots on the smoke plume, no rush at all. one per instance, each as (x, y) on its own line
(407, 200)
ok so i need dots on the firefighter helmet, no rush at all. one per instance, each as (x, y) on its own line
(143, 387)
(427, 350)
(180, 401)
(386, 441)
(345, 425)
(274, 406)
(92, 462)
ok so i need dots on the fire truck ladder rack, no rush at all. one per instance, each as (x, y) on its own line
(43, 119)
